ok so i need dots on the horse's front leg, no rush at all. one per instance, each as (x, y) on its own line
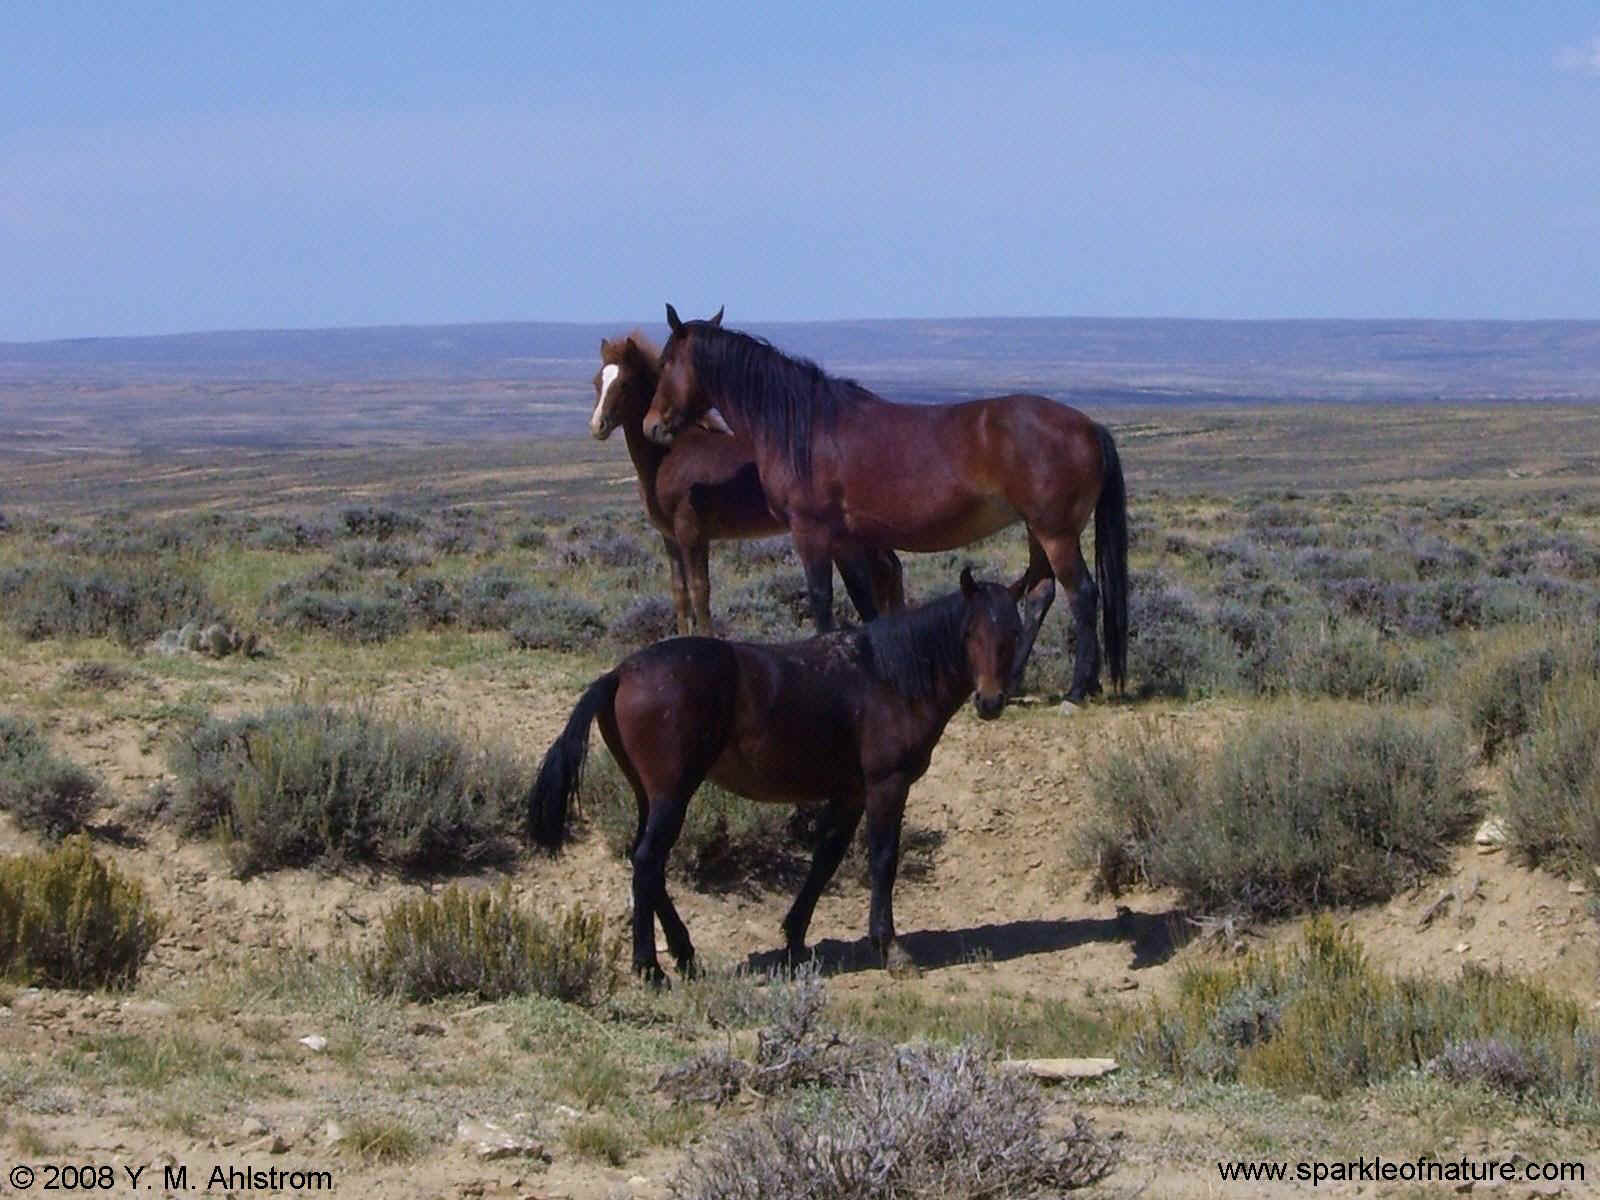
(839, 823)
(696, 558)
(812, 544)
(886, 807)
(680, 590)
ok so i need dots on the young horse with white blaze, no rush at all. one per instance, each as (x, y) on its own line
(703, 488)
(847, 718)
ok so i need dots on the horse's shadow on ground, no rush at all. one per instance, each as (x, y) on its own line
(1153, 938)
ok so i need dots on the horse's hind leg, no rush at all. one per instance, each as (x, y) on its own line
(1038, 586)
(650, 899)
(888, 580)
(651, 844)
(1086, 671)
(839, 823)
(1066, 560)
(857, 575)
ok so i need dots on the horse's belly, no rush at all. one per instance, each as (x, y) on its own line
(947, 528)
(775, 776)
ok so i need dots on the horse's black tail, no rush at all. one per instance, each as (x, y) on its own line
(562, 769)
(1111, 557)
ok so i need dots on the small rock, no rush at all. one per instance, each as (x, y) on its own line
(314, 1042)
(427, 1029)
(487, 1141)
(1491, 833)
(271, 1144)
(155, 1009)
(253, 1127)
(1059, 1069)
(1067, 708)
(1577, 889)
(1462, 947)
(333, 1133)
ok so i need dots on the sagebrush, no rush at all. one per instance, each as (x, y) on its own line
(43, 792)
(69, 920)
(1306, 808)
(483, 943)
(304, 784)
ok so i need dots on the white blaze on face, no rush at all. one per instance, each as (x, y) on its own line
(608, 376)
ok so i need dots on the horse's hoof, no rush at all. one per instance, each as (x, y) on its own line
(653, 976)
(899, 963)
(688, 969)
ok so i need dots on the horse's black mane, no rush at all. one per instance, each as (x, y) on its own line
(771, 394)
(913, 650)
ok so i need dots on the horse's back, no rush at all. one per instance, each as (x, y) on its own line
(674, 700)
(795, 725)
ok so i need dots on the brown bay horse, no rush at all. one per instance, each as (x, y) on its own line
(850, 718)
(704, 488)
(849, 470)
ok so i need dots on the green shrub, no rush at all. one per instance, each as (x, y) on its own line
(483, 944)
(130, 603)
(349, 616)
(43, 793)
(1553, 810)
(1499, 694)
(69, 920)
(1344, 660)
(554, 620)
(380, 524)
(1316, 806)
(1501, 691)
(305, 784)
(1319, 1017)
(97, 675)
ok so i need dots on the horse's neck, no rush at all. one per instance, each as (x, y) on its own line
(646, 455)
(952, 693)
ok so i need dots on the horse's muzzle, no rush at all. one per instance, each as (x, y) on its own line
(989, 707)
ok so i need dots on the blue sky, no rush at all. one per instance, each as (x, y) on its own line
(179, 167)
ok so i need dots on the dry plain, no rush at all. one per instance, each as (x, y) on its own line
(203, 1063)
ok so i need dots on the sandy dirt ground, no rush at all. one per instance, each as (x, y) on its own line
(1002, 912)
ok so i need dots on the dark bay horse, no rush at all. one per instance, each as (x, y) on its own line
(850, 718)
(848, 470)
(704, 488)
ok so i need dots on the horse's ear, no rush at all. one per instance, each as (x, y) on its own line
(969, 586)
(672, 320)
(711, 419)
(605, 347)
(717, 320)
